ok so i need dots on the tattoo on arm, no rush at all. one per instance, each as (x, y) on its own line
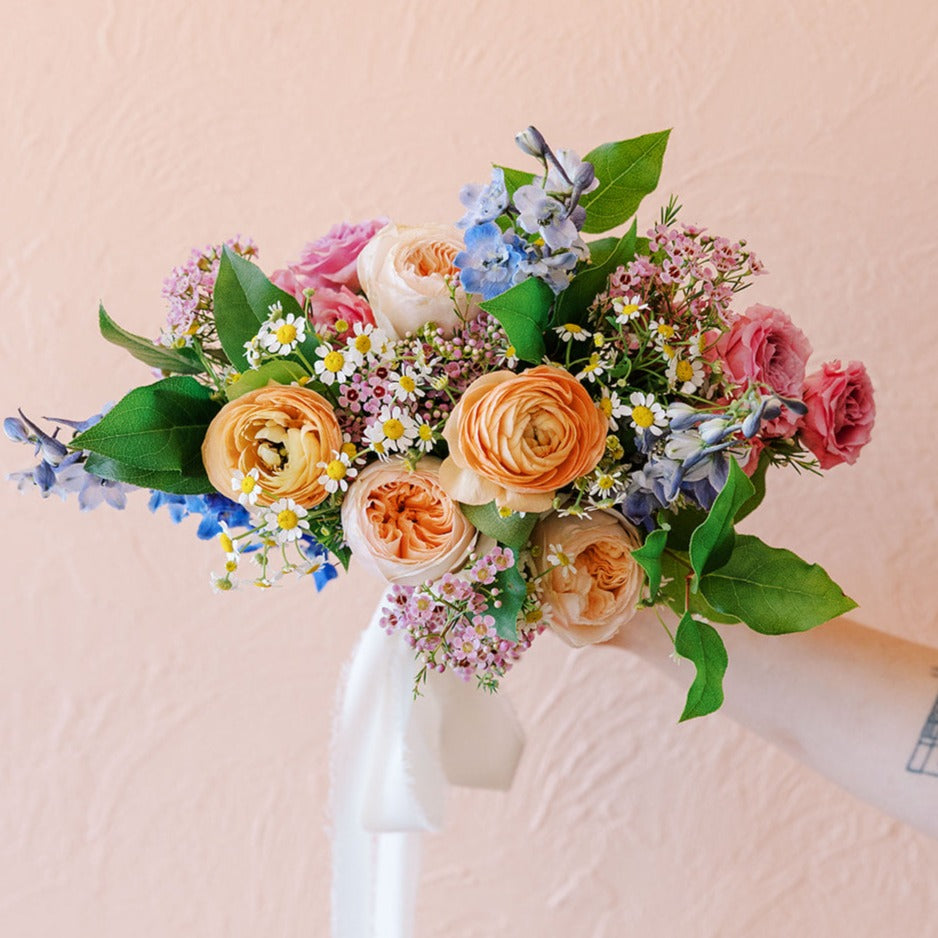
(924, 758)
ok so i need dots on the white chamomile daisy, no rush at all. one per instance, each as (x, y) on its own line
(284, 334)
(333, 365)
(685, 374)
(628, 308)
(366, 341)
(571, 331)
(285, 521)
(426, 435)
(405, 386)
(646, 414)
(393, 430)
(508, 357)
(253, 348)
(661, 332)
(593, 369)
(229, 545)
(338, 472)
(612, 407)
(605, 485)
(245, 484)
(557, 558)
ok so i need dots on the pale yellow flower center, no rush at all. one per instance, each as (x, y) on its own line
(287, 519)
(247, 484)
(334, 361)
(533, 616)
(511, 352)
(684, 370)
(226, 545)
(348, 449)
(341, 326)
(573, 328)
(605, 482)
(605, 405)
(286, 333)
(393, 429)
(425, 432)
(643, 416)
(362, 344)
(664, 330)
(336, 470)
(408, 385)
(629, 310)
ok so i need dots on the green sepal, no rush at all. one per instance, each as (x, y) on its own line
(182, 361)
(158, 427)
(701, 644)
(512, 531)
(524, 311)
(712, 542)
(280, 371)
(627, 171)
(577, 298)
(163, 481)
(241, 300)
(512, 592)
(649, 558)
(773, 590)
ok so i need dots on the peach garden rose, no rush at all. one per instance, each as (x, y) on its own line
(593, 592)
(282, 432)
(517, 439)
(400, 524)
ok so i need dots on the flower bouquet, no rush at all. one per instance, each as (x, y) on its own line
(520, 427)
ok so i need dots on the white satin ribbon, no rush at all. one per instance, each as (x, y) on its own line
(392, 760)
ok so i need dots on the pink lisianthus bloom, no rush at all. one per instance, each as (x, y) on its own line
(763, 346)
(327, 306)
(841, 411)
(331, 261)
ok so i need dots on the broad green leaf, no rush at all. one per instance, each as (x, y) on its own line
(649, 558)
(675, 592)
(512, 592)
(515, 179)
(512, 531)
(280, 371)
(773, 590)
(183, 361)
(242, 300)
(163, 481)
(701, 643)
(158, 426)
(576, 299)
(627, 171)
(682, 525)
(712, 542)
(758, 482)
(523, 311)
(601, 248)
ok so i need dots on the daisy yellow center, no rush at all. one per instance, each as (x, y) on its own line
(348, 449)
(336, 470)
(363, 344)
(341, 325)
(592, 365)
(379, 448)
(605, 405)
(668, 351)
(425, 432)
(643, 416)
(511, 352)
(630, 309)
(504, 511)
(287, 519)
(247, 484)
(407, 384)
(534, 616)
(226, 545)
(598, 340)
(562, 559)
(334, 361)
(393, 429)
(286, 333)
(664, 330)
(606, 482)
(684, 370)
(231, 566)
(573, 328)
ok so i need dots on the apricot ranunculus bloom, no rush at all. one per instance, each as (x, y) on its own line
(282, 431)
(401, 525)
(517, 439)
(593, 603)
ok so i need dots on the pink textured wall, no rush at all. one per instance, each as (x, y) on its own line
(163, 752)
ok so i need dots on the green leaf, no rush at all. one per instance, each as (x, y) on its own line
(627, 171)
(515, 179)
(758, 482)
(183, 361)
(773, 590)
(158, 426)
(512, 592)
(280, 371)
(674, 589)
(701, 643)
(682, 525)
(512, 531)
(649, 557)
(712, 542)
(523, 311)
(601, 249)
(576, 299)
(164, 481)
(242, 300)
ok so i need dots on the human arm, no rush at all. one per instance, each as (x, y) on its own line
(855, 704)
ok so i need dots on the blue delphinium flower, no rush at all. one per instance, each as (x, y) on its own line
(542, 214)
(489, 264)
(650, 489)
(213, 508)
(484, 203)
(321, 569)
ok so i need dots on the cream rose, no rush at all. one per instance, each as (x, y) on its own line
(404, 271)
(590, 605)
(401, 524)
(284, 432)
(516, 439)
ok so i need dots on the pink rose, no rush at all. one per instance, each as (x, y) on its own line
(765, 347)
(330, 262)
(840, 413)
(326, 306)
